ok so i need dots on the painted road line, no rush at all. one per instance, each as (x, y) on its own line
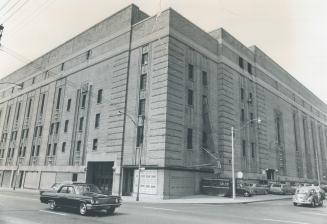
(315, 213)
(55, 213)
(164, 209)
(285, 221)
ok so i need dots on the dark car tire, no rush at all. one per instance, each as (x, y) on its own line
(110, 211)
(82, 209)
(52, 205)
(294, 203)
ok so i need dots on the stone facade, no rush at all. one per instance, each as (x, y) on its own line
(160, 90)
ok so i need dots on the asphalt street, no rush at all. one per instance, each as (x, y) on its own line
(25, 208)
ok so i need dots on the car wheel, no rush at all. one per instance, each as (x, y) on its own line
(110, 211)
(246, 194)
(52, 205)
(294, 203)
(82, 209)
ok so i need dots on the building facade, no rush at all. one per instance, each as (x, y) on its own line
(161, 91)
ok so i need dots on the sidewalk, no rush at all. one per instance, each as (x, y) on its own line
(193, 199)
(206, 199)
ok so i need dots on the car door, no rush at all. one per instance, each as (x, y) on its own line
(61, 201)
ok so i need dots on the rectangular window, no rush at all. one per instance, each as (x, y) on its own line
(99, 98)
(204, 139)
(26, 133)
(54, 151)
(190, 97)
(190, 72)
(38, 150)
(12, 152)
(204, 78)
(278, 130)
(74, 178)
(81, 120)
(189, 138)
(57, 127)
(143, 82)
(78, 147)
(88, 54)
(97, 121)
(241, 62)
(58, 99)
(42, 103)
(95, 144)
(40, 130)
(68, 104)
(204, 100)
(145, 58)
(66, 126)
(63, 147)
(29, 108)
(18, 111)
(251, 118)
(51, 128)
(83, 101)
(49, 150)
(24, 151)
(62, 66)
(249, 68)
(243, 148)
(253, 150)
(8, 115)
(139, 136)
(35, 131)
(242, 115)
(250, 98)
(142, 107)
(242, 93)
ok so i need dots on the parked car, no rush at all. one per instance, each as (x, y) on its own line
(276, 189)
(239, 192)
(288, 189)
(307, 196)
(258, 189)
(84, 197)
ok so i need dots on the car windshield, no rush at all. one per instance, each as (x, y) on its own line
(302, 191)
(276, 185)
(89, 188)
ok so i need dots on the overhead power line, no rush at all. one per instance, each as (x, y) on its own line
(11, 8)
(15, 11)
(4, 5)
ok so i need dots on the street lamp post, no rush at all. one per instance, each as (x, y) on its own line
(139, 159)
(233, 159)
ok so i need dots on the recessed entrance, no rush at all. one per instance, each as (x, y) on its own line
(100, 174)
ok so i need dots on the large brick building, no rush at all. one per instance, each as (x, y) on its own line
(162, 89)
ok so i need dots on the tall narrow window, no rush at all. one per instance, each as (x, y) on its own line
(249, 68)
(190, 97)
(29, 108)
(81, 120)
(242, 115)
(62, 66)
(8, 115)
(99, 98)
(40, 130)
(241, 62)
(278, 130)
(51, 128)
(190, 72)
(42, 103)
(189, 138)
(95, 144)
(142, 107)
(63, 147)
(251, 118)
(58, 99)
(68, 104)
(49, 149)
(295, 132)
(253, 150)
(242, 93)
(204, 139)
(54, 151)
(139, 136)
(78, 147)
(204, 78)
(66, 126)
(83, 100)
(38, 150)
(18, 111)
(57, 127)
(97, 121)
(243, 148)
(35, 131)
(143, 82)
(145, 58)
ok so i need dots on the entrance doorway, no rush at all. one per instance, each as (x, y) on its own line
(128, 182)
(100, 174)
(270, 174)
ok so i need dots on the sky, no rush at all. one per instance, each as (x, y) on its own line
(292, 32)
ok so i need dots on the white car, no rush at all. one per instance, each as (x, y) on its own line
(307, 196)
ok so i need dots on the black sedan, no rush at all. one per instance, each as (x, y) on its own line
(84, 197)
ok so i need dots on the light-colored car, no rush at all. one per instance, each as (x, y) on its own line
(258, 189)
(276, 189)
(307, 196)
